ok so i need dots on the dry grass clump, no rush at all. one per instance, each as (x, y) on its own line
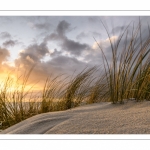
(78, 88)
(13, 105)
(128, 72)
(56, 95)
(99, 91)
(51, 94)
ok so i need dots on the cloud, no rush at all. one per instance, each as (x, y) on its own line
(42, 26)
(39, 50)
(81, 35)
(96, 34)
(94, 19)
(64, 64)
(10, 43)
(66, 61)
(55, 53)
(117, 29)
(62, 27)
(4, 54)
(5, 35)
(104, 43)
(94, 55)
(88, 34)
(51, 37)
(32, 54)
(58, 65)
(73, 47)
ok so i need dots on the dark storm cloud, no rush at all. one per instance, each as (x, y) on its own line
(4, 54)
(10, 43)
(5, 35)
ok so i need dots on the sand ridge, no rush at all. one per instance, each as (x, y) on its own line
(99, 118)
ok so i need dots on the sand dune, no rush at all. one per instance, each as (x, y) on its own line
(99, 118)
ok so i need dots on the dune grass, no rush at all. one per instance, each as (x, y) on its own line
(126, 75)
(57, 94)
(129, 70)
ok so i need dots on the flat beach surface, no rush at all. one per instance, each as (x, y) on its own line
(99, 118)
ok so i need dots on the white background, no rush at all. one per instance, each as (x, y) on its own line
(88, 142)
(74, 5)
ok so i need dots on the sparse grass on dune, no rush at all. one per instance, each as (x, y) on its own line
(57, 95)
(126, 76)
(52, 91)
(78, 88)
(12, 103)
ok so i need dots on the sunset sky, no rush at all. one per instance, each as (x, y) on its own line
(56, 44)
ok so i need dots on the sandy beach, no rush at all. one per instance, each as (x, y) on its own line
(99, 118)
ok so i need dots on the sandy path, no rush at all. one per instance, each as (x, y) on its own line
(100, 118)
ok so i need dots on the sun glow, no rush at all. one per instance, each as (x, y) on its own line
(12, 83)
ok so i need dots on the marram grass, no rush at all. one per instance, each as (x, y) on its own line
(126, 75)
